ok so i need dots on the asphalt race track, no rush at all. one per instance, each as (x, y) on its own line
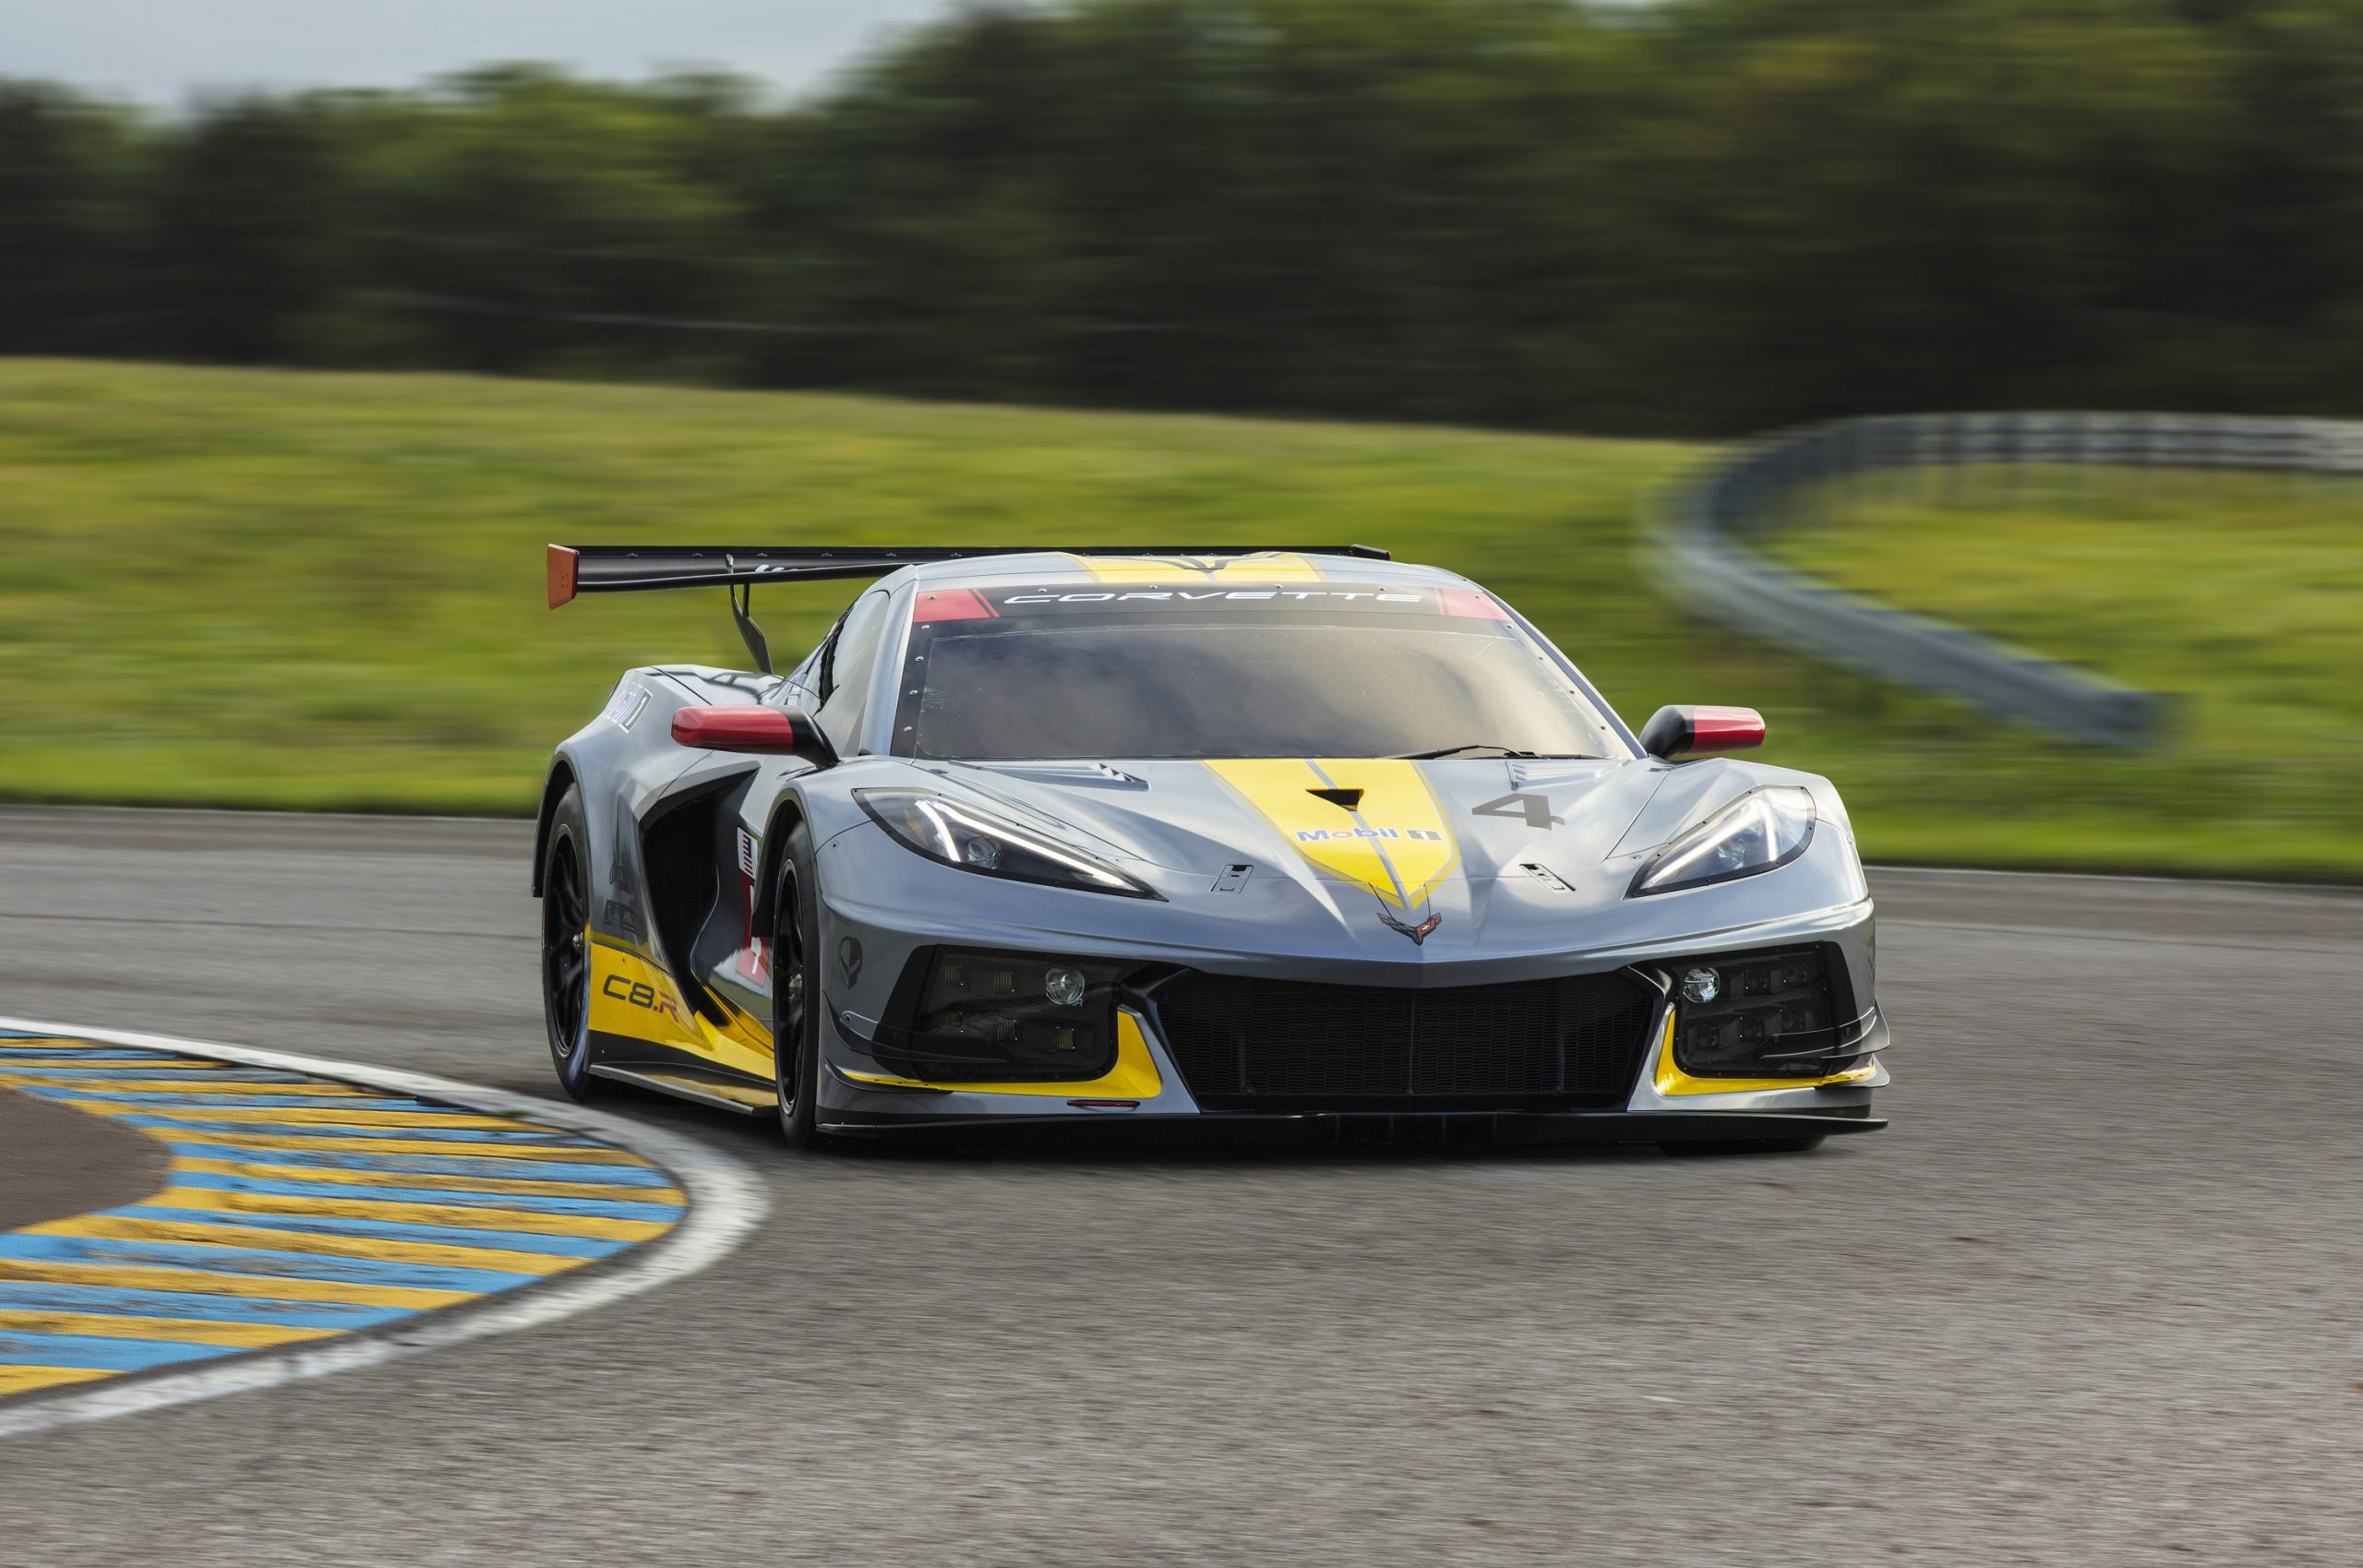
(2097, 1295)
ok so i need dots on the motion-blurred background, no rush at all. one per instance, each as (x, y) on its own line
(298, 380)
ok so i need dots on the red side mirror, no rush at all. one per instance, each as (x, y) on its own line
(1675, 732)
(765, 732)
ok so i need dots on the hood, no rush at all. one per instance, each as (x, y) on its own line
(1393, 859)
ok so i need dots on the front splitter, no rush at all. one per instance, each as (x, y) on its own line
(1476, 1127)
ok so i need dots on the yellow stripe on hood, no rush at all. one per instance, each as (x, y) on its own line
(1397, 842)
(1262, 566)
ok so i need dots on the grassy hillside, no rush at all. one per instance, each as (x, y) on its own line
(2242, 595)
(271, 589)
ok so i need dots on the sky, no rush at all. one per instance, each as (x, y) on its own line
(160, 51)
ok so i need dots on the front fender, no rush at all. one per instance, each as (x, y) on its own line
(561, 779)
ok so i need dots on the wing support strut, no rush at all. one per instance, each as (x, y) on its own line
(742, 606)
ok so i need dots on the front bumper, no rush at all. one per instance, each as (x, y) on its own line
(1146, 1089)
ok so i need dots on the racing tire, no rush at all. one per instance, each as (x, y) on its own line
(796, 994)
(566, 946)
(1714, 1147)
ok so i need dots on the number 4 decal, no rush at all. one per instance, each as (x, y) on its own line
(1535, 808)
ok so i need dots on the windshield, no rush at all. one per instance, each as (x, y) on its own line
(1287, 670)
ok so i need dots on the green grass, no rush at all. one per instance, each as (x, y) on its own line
(271, 589)
(2240, 595)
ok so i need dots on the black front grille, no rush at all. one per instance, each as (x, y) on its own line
(1563, 1043)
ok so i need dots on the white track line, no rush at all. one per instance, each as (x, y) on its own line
(725, 1202)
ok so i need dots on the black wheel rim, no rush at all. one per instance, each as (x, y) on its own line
(787, 981)
(566, 958)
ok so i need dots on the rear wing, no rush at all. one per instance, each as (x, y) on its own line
(633, 568)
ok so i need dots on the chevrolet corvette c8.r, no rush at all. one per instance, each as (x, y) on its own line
(1291, 835)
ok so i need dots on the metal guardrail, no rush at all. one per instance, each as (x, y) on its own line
(1693, 544)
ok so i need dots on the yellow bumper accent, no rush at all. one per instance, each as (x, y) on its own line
(1672, 1080)
(1135, 1076)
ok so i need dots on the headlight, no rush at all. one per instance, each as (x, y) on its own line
(960, 834)
(1761, 829)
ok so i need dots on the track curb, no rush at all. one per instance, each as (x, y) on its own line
(726, 1202)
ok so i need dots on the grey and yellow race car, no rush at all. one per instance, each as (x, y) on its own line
(1295, 835)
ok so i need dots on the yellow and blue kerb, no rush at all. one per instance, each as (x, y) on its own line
(296, 1208)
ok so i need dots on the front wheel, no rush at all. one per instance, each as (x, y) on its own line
(566, 946)
(796, 994)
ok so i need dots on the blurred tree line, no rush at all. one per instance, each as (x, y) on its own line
(1701, 217)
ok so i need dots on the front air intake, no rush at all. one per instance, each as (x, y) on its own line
(1567, 1044)
(1777, 1014)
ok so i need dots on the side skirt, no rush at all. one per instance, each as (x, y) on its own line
(646, 1065)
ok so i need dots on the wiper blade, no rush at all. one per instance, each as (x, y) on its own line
(1456, 750)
